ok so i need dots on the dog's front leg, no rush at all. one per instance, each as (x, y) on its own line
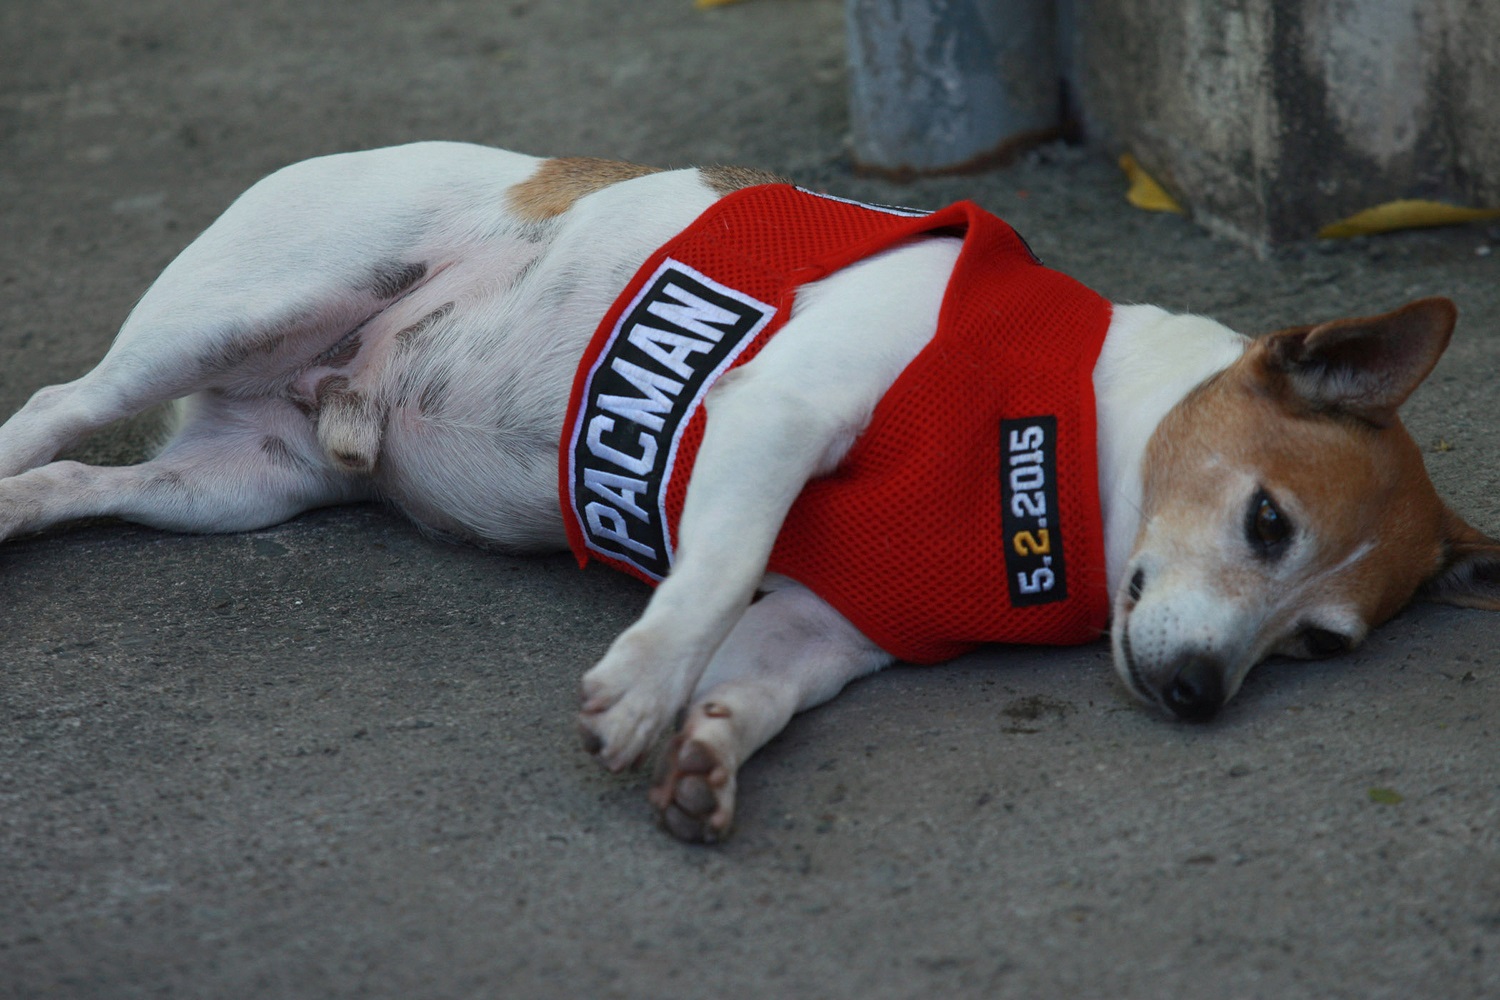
(761, 444)
(788, 415)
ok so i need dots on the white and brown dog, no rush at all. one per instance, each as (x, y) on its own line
(406, 324)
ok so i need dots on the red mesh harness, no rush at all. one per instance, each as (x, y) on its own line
(966, 513)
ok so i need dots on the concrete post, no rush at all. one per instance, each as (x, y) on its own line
(1271, 119)
(948, 85)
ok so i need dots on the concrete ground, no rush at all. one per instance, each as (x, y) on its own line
(336, 759)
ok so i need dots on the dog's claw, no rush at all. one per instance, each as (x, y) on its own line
(592, 744)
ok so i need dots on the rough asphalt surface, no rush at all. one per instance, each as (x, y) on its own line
(337, 759)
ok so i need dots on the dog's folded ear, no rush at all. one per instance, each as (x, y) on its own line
(1367, 366)
(1470, 576)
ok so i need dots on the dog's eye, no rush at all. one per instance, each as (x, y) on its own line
(1266, 528)
(1322, 642)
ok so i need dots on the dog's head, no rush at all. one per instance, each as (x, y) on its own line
(1286, 510)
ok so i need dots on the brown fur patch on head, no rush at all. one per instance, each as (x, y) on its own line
(723, 180)
(558, 183)
(1350, 484)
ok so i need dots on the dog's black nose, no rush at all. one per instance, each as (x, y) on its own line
(1196, 691)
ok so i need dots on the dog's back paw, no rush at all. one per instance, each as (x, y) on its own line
(694, 787)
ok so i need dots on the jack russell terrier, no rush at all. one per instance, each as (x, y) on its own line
(905, 436)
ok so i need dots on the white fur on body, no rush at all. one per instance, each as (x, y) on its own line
(319, 367)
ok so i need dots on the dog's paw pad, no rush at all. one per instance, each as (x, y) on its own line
(694, 791)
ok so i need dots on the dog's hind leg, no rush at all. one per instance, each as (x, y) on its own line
(285, 277)
(227, 313)
(789, 652)
(234, 465)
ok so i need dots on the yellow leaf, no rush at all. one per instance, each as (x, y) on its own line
(1405, 214)
(1144, 191)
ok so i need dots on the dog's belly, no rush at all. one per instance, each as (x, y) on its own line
(474, 401)
(428, 325)
(471, 434)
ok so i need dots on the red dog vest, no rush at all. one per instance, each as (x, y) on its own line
(966, 513)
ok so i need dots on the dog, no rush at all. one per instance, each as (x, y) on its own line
(407, 324)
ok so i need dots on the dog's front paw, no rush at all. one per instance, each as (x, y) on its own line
(615, 735)
(693, 791)
(619, 732)
(624, 707)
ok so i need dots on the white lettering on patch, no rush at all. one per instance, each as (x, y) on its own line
(680, 333)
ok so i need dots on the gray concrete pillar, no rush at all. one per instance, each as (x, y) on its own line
(945, 85)
(1271, 119)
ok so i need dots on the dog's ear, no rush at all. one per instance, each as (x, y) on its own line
(1365, 366)
(1470, 576)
